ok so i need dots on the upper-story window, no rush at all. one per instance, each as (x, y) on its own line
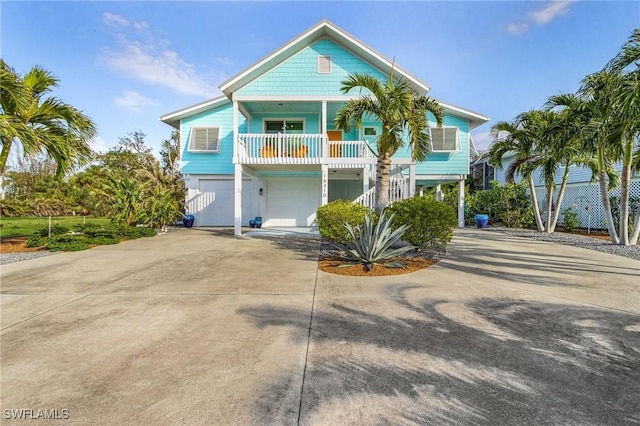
(205, 139)
(324, 64)
(444, 139)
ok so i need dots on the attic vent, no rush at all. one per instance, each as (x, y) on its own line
(444, 139)
(324, 64)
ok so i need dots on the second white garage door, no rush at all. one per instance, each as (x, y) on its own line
(216, 202)
(292, 201)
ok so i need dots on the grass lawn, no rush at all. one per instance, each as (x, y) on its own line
(23, 226)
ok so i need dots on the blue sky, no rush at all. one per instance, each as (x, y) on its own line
(127, 63)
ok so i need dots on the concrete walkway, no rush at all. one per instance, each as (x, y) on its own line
(200, 327)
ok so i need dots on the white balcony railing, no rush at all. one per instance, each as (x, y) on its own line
(259, 148)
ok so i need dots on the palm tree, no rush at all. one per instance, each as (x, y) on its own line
(625, 85)
(40, 123)
(591, 117)
(401, 111)
(517, 138)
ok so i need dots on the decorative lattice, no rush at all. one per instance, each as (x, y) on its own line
(579, 196)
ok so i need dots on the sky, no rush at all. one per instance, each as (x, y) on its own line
(125, 64)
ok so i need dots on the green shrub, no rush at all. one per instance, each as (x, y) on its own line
(430, 222)
(570, 219)
(371, 243)
(86, 235)
(55, 230)
(133, 232)
(332, 217)
(508, 204)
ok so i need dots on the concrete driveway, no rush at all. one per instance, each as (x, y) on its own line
(200, 327)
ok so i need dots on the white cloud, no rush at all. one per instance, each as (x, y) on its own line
(550, 11)
(482, 140)
(146, 58)
(133, 101)
(113, 19)
(99, 145)
(517, 27)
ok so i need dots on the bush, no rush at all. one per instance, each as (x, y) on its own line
(430, 222)
(84, 236)
(509, 204)
(570, 219)
(332, 217)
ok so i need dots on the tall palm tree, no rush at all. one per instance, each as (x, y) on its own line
(625, 85)
(40, 122)
(591, 117)
(401, 112)
(517, 138)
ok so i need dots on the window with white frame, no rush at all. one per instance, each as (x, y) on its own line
(324, 64)
(444, 139)
(205, 139)
(370, 131)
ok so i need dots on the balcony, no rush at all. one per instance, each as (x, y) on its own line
(258, 148)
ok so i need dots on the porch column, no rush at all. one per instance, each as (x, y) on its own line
(324, 117)
(461, 203)
(237, 205)
(412, 180)
(325, 184)
(439, 192)
(365, 179)
(235, 134)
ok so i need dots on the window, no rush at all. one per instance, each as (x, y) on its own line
(205, 139)
(284, 126)
(370, 131)
(444, 139)
(324, 64)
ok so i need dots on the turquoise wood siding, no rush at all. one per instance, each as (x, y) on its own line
(299, 75)
(445, 163)
(211, 163)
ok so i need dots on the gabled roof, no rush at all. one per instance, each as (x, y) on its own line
(475, 119)
(173, 118)
(322, 29)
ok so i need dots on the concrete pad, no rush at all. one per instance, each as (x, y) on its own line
(200, 327)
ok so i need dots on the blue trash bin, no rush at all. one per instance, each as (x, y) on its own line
(188, 220)
(482, 220)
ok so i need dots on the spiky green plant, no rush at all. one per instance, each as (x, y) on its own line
(373, 243)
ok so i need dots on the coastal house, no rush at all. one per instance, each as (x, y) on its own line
(268, 147)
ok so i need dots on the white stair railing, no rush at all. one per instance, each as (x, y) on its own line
(367, 199)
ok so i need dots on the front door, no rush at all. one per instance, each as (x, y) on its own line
(335, 147)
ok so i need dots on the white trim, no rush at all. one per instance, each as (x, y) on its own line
(206, 151)
(173, 118)
(294, 98)
(325, 28)
(237, 202)
(458, 147)
(440, 177)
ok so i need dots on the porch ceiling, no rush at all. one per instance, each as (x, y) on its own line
(291, 107)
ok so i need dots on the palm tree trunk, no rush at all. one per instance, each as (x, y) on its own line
(563, 187)
(625, 178)
(4, 155)
(383, 177)
(536, 208)
(606, 206)
(547, 225)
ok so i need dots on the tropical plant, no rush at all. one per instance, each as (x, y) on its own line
(401, 111)
(429, 222)
(570, 219)
(40, 122)
(372, 243)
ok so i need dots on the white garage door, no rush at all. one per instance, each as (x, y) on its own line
(215, 202)
(292, 201)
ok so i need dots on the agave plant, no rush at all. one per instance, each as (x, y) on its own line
(372, 244)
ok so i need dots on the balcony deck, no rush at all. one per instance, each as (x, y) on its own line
(258, 148)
